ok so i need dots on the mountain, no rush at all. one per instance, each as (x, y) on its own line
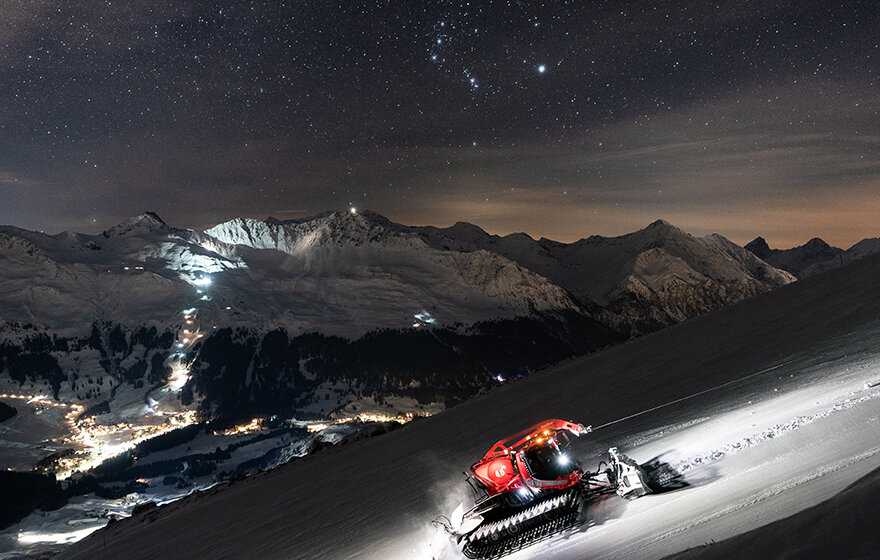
(767, 407)
(800, 261)
(345, 273)
(643, 281)
(314, 315)
(132, 274)
(813, 257)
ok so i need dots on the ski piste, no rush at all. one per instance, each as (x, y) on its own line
(529, 488)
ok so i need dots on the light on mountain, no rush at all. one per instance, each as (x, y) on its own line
(180, 374)
(353, 210)
(425, 317)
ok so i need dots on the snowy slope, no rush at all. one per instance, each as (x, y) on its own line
(769, 407)
(843, 527)
(862, 249)
(656, 276)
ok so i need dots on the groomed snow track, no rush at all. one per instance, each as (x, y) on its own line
(539, 522)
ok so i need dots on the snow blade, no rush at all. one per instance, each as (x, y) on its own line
(518, 530)
(629, 478)
(459, 524)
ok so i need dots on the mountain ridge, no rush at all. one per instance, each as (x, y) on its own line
(814, 256)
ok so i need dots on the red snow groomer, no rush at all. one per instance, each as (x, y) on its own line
(531, 488)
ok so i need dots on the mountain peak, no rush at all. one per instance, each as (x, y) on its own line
(661, 223)
(661, 227)
(151, 217)
(817, 244)
(803, 260)
(759, 247)
(148, 221)
(468, 227)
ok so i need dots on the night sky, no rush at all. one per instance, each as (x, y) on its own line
(560, 119)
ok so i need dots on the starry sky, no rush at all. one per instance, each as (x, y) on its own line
(560, 119)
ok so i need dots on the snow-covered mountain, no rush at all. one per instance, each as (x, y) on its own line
(813, 257)
(654, 277)
(336, 275)
(136, 273)
(346, 273)
(802, 261)
(315, 314)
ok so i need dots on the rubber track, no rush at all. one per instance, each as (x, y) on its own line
(537, 523)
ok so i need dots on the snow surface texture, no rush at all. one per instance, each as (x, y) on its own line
(823, 531)
(800, 364)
